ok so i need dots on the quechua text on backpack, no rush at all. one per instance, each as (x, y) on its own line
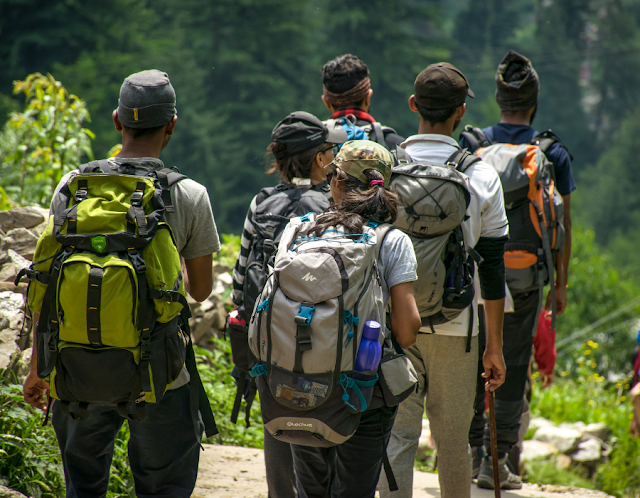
(433, 199)
(306, 329)
(108, 284)
(535, 210)
(275, 206)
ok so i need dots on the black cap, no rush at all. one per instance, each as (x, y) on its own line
(301, 131)
(147, 100)
(517, 83)
(441, 86)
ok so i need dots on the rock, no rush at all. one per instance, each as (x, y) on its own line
(22, 241)
(8, 286)
(18, 260)
(566, 440)
(598, 430)
(7, 492)
(537, 422)
(21, 364)
(537, 450)
(8, 272)
(10, 304)
(8, 350)
(589, 451)
(24, 217)
(563, 461)
(4, 256)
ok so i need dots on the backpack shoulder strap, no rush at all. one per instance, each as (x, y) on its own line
(267, 192)
(382, 230)
(476, 138)
(546, 139)
(400, 156)
(102, 166)
(166, 178)
(461, 160)
(379, 134)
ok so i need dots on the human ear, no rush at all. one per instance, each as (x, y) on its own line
(171, 126)
(116, 120)
(412, 103)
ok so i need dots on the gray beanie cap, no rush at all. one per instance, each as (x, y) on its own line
(147, 100)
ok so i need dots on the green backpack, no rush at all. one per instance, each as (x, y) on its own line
(108, 284)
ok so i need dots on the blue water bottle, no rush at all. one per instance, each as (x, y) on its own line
(370, 351)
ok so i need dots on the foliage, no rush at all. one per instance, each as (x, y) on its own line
(589, 397)
(215, 368)
(229, 250)
(595, 311)
(29, 455)
(44, 142)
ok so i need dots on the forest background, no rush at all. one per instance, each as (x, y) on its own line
(240, 66)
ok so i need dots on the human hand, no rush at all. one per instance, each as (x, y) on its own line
(547, 379)
(635, 401)
(34, 390)
(494, 369)
(561, 301)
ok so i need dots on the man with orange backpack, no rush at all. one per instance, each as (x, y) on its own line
(537, 198)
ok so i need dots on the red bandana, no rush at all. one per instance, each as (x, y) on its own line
(356, 111)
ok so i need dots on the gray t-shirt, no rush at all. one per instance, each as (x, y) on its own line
(397, 262)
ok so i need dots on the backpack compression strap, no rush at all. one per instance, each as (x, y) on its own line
(476, 138)
(166, 178)
(461, 160)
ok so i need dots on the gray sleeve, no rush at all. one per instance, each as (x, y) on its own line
(398, 259)
(200, 235)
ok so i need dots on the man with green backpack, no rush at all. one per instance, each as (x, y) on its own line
(111, 341)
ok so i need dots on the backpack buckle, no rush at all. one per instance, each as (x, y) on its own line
(81, 195)
(136, 198)
(305, 315)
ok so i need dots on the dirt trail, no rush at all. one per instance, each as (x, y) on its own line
(234, 472)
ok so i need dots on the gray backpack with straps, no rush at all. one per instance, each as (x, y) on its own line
(306, 329)
(535, 210)
(433, 199)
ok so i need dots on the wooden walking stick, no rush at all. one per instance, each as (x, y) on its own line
(494, 444)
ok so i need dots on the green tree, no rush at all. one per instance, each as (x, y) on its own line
(601, 307)
(44, 142)
(395, 38)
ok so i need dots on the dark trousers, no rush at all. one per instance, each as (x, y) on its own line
(163, 449)
(517, 337)
(351, 469)
(281, 478)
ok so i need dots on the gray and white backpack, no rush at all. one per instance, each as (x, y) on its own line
(433, 199)
(306, 329)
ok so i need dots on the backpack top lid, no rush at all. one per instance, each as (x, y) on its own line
(433, 198)
(335, 258)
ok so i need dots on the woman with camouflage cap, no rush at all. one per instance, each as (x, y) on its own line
(358, 178)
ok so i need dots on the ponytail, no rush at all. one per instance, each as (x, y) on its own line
(360, 204)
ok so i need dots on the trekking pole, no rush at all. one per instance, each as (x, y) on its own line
(494, 444)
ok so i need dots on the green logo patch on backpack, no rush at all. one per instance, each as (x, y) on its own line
(99, 243)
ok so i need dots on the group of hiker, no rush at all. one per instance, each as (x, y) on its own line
(380, 278)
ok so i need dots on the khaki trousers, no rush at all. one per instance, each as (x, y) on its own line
(447, 377)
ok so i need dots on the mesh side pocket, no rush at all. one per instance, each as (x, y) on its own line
(300, 391)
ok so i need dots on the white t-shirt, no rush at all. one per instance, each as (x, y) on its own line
(486, 214)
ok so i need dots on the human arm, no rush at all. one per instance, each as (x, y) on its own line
(34, 388)
(405, 319)
(493, 359)
(248, 233)
(635, 402)
(566, 255)
(199, 278)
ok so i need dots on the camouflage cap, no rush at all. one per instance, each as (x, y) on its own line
(356, 156)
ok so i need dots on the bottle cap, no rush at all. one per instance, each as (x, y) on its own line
(371, 330)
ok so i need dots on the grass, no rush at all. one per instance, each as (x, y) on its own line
(589, 397)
